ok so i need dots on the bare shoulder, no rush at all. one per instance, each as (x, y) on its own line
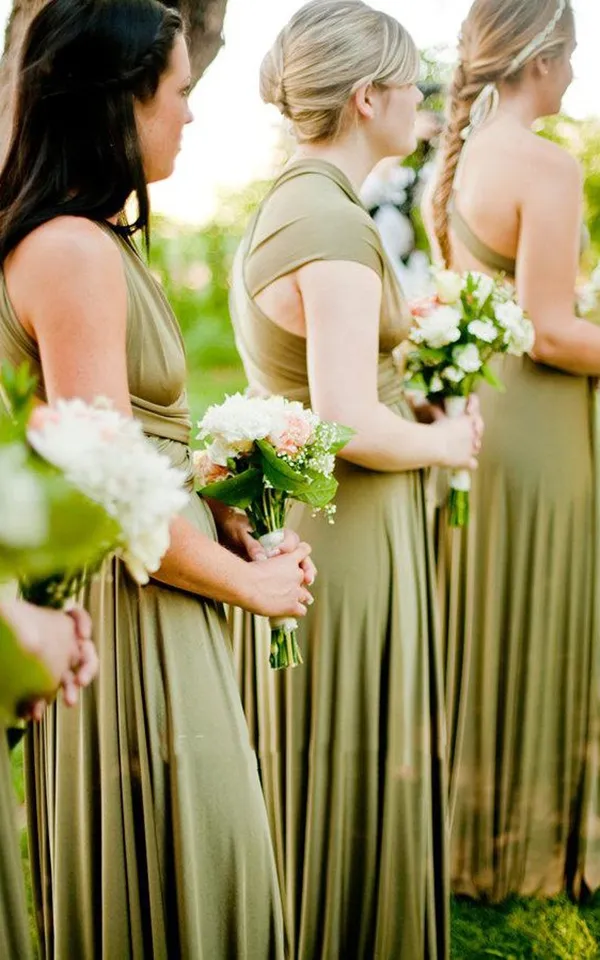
(549, 164)
(70, 268)
(71, 246)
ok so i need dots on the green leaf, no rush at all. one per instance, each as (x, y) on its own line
(344, 435)
(80, 533)
(432, 357)
(17, 390)
(490, 377)
(320, 491)
(279, 473)
(239, 491)
(22, 678)
(417, 383)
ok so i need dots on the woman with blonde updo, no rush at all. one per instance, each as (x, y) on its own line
(520, 587)
(350, 745)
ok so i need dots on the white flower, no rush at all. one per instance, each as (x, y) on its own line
(238, 421)
(235, 425)
(220, 453)
(23, 508)
(509, 315)
(448, 285)
(438, 328)
(485, 286)
(519, 333)
(595, 279)
(521, 339)
(453, 374)
(436, 384)
(467, 358)
(107, 458)
(587, 299)
(483, 330)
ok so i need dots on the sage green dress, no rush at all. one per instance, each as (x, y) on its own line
(519, 591)
(350, 745)
(15, 940)
(148, 831)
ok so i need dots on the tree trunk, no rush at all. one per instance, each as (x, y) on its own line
(204, 22)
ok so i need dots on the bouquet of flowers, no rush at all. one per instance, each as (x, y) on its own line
(467, 321)
(262, 454)
(114, 474)
(107, 458)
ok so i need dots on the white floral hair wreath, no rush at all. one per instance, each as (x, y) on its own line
(486, 103)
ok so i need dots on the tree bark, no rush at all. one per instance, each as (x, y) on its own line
(204, 22)
(204, 26)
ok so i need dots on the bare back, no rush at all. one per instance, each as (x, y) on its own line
(500, 166)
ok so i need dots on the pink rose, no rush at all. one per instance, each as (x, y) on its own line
(295, 434)
(206, 470)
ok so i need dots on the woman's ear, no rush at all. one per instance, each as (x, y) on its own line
(364, 100)
(541, 67)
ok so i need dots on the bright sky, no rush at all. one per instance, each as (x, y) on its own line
(232, 139)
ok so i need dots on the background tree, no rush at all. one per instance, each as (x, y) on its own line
(204, 19)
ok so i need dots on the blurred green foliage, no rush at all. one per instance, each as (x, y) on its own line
(582, 139)
(193, 265)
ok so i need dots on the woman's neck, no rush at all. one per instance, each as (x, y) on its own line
(352, 157)
(519, 108)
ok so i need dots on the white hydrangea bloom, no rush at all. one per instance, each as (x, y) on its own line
(485, 286)
(448, 285)
(484, 330)
(438, 328)
(239, 421)
(453, 374)
(509, 315)
(436, 384)
(520, 339)
(467, 358)
(107, 457)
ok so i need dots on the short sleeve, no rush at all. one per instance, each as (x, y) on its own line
(305, 220)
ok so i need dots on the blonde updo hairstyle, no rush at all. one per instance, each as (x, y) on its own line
(493, 35)
(327, 51)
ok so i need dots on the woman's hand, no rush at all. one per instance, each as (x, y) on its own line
(62, 643)
(461, 438)
(277, 585)
(235, 533)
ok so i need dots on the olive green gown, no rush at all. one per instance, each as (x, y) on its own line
(15, 940)
(351, 744)
(519, 592)
(148, 831)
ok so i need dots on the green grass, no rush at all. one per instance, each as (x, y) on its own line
(520, 929)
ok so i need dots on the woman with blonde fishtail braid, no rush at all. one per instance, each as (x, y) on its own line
(519, 587)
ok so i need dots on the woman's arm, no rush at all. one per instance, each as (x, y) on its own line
(342, 302)
(547, 265)
(77, 311)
